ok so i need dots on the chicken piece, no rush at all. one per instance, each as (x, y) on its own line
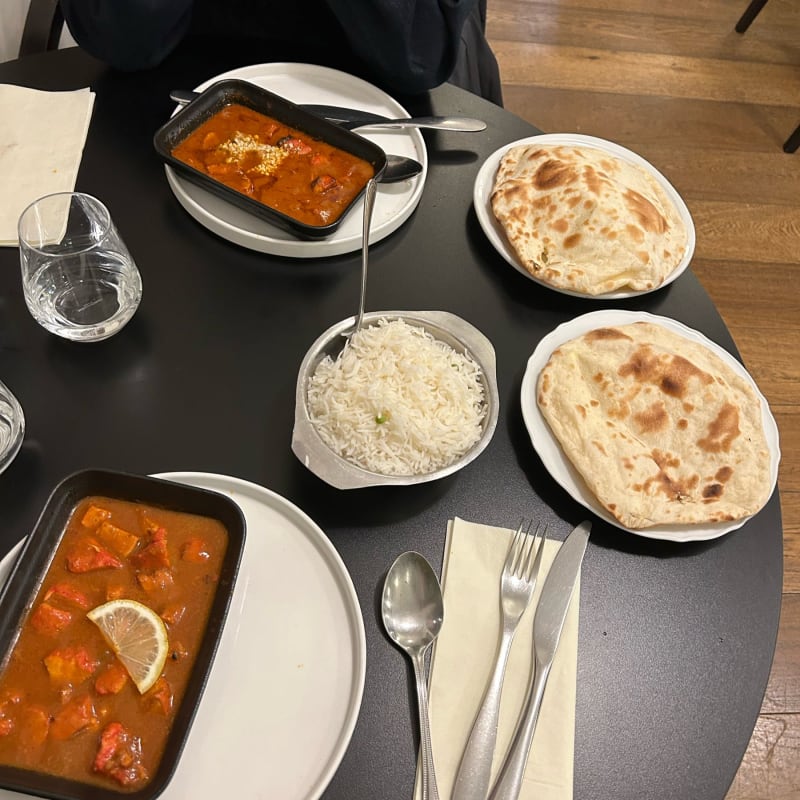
(294, 145)
(323, 183)
(210, 141)
(118, 539)
(319, 158)
(34, 725)
(88, 555)
(94, 516)
(155, 581)
(49, 620)
(231, 176)
(76, 716)
(6, 725)
(112, 679)
(115, 591)
(119, 755)
(160, 697)
(173, 613)
(195, 550)
(154, 555)
(70, 593)
(70, 665)
(262, 184)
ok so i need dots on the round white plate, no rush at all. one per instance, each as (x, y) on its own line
(285, 690)
(560, 467)
(308, 83)
(484, 183)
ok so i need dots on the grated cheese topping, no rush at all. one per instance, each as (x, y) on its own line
(397, 401)
(240, 144)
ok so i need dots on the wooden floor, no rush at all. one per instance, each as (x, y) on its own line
(671, 80)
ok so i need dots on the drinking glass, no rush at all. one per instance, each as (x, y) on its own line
(12, 426)
(78, 277)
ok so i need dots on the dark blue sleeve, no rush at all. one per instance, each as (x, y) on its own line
(412, 44)
(128, 34)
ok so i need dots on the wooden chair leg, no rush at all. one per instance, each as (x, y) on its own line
(751, 12)
(793, 142)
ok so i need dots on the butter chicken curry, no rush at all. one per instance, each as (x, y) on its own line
(67, 704)
(281, 167)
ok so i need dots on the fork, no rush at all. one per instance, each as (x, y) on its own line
(517, 582)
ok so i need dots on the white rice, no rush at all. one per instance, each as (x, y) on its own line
(396, 401)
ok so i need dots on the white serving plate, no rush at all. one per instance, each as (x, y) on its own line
(484, 183)
(285, 689)
(308, 83)
(560, 467)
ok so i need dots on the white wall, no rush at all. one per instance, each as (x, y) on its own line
(12, 20)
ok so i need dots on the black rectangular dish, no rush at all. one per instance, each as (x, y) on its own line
(203, 535)
(234, 92)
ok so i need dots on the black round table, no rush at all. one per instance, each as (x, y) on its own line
(676, 640)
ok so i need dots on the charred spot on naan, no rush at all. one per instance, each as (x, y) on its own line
(722, 431)
(553, 173)
(671, 373)
(600, 334)
(646, 214)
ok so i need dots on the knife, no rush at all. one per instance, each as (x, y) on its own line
(548, 623)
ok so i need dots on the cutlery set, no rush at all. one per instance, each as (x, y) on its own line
(413, 615)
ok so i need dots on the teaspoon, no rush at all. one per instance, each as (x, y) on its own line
(413, 611)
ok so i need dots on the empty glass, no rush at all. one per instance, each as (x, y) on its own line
(12, 426)
(79, 279)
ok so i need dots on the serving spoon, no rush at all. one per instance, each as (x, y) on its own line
(352, 118)
(413, 611)
(369, 204)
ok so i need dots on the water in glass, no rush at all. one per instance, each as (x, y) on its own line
(79, 279)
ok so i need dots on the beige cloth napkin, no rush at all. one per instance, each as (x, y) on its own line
(464, 657)
(42, 135)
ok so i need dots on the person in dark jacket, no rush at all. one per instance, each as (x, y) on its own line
(404, 46)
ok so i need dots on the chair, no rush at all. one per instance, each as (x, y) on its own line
(750, 13)
(43, 26)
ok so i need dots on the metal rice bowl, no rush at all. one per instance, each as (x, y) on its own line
(315, 454)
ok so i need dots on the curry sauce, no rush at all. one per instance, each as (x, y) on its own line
(282, 167)
(67, 704)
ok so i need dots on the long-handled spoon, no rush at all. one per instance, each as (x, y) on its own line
(354, 118)
(369, 204)
(413, 611)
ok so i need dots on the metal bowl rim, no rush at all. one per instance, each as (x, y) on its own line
(312, 451)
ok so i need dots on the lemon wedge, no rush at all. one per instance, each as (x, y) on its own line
(137, 635)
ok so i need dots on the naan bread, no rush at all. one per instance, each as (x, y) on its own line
(660, 428)
(587, 221)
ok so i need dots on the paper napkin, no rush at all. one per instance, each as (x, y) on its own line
(42, 135)
(464, 657)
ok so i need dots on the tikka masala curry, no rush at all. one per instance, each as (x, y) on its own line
(67, 705)
(283, 168)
